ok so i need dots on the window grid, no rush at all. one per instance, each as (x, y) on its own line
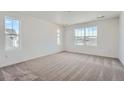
(86, 36)
(12, 28)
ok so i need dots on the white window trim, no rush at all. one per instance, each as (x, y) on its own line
(84, 40)
(19, 35)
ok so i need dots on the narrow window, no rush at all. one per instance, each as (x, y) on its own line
(11, 33)
(58, 37)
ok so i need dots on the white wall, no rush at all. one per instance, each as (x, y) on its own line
(38, 38)
(121, 43)
(107, 39)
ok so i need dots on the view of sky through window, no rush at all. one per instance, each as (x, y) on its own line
(12, 24)
(12, 33)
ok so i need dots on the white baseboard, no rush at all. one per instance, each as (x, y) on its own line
(121, 61)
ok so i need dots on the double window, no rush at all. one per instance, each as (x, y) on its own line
(11, 33)
(86, 36)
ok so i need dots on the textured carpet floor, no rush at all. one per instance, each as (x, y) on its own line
(65, 66)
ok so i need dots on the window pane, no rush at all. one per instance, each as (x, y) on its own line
(83, 32)
(16, 26)
(11, 33)
(58, 37)
(79, 36)
(91, 36)
(8, 23)
(79, 32)
(87, 31)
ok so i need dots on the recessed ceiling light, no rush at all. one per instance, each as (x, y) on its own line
(100, 16)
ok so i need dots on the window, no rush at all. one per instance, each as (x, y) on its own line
(11, 33)
(79, 36)
(58, 37)
(86, 36)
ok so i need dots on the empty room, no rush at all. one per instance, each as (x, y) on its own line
(61, 46)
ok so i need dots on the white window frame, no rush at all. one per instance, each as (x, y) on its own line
(18, 35)
(58, 37)
(84, 37)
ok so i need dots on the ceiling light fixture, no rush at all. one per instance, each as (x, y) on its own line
(100, 16)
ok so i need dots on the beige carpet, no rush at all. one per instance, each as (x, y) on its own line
(65, 66)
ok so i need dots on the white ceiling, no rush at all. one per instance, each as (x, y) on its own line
(70, 17)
